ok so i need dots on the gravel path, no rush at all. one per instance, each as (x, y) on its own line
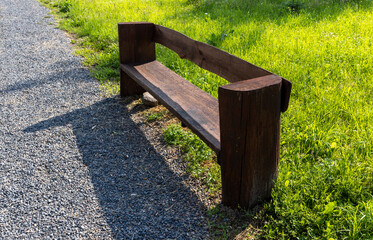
(73, 164)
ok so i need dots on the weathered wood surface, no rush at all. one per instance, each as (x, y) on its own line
(136, 43)
(193, 106)
(207, 57)
(250, 134)
(135, 46)
(224, 64)
(243, 128)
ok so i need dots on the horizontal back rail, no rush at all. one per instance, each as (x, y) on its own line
(221, 63)
(207, 57)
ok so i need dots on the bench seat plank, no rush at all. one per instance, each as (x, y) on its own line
(197, 109)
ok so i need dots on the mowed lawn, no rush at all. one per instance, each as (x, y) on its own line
(324, 47)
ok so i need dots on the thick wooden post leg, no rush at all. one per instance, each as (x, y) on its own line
(250, 139)
(128, 86)
(136, 46)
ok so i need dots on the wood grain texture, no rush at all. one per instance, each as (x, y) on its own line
(207, 57)
(135, 46)
(128, 87)
(224, 64)
(193, 106)
(250, 131)
(136, 42)
(243, 128)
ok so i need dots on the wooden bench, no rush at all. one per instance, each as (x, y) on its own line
(242, 127)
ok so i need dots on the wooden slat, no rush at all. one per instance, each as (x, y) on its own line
(224, 64)
(208, 57)
(197, 109)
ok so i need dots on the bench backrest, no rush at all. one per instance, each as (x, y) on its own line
(217, 61)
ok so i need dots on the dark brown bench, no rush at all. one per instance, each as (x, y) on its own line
(242, 127)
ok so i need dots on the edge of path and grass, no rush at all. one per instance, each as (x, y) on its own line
(324, 188)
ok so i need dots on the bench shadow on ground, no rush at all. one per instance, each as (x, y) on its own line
(140, 195)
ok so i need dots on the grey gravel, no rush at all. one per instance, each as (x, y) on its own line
(73, 164)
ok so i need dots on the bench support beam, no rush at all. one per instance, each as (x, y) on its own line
(136, 46)
(250, 138)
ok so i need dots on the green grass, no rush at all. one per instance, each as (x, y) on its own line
(325, 47)
(201, 159)
(155, 116)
